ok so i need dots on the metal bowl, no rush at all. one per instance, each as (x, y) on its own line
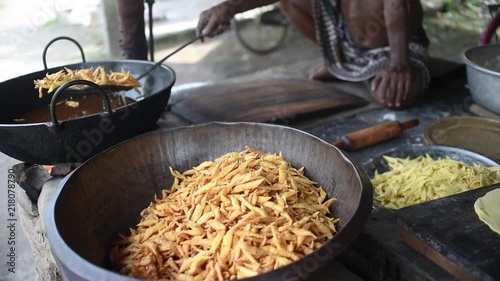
(379, 164)
(484, 82)
(105, 195)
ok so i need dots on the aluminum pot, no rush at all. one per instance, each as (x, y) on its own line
(483, 75)
(105, 195)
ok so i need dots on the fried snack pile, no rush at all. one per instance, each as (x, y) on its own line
(413, 181)
(99, 76)
(243, 214)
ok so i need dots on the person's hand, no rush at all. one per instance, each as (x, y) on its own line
(215, 20)
(392, 86)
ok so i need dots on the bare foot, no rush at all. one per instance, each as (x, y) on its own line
(321, 73)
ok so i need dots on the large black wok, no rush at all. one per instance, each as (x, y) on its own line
(105, 195)
(77, 140)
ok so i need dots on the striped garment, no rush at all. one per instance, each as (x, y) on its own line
(349, 62)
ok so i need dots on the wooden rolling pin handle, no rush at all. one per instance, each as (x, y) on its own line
(373, 135)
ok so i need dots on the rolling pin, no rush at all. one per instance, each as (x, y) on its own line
(373, 135)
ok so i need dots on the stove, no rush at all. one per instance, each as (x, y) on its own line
(32, 177)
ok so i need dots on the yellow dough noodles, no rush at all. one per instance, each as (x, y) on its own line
(488, 209)
(413, 181)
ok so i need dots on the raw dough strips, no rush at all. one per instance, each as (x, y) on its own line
(488, 209)
(413, 181)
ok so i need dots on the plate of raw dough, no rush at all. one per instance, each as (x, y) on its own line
(488, 209)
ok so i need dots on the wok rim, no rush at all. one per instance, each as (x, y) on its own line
(81, 267)
(470, 63)
(99, 114)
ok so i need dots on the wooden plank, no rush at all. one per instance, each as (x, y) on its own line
(434, 255)
(261, 101)
(451, 228)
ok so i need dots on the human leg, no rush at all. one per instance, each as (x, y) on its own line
(300, 13)
(321, 73)
(133, 38)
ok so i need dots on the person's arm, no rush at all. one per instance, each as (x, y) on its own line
(216, 19)
(393, 84)
(397, 22)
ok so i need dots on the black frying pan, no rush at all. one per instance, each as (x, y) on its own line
(76, 140)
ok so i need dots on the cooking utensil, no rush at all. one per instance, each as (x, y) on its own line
(373, 135)
(116, 88)
(160, 62)
(123, 180)
(483, 75)
(481, 135)
(378, 163)
(76, 140)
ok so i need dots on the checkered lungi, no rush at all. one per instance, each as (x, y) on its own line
(348, 61)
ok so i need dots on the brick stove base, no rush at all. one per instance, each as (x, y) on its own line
(32, 221)
(39, 186)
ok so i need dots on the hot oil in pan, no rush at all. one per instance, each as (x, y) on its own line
(75, 106)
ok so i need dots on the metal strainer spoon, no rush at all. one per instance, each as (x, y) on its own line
(118, 88)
